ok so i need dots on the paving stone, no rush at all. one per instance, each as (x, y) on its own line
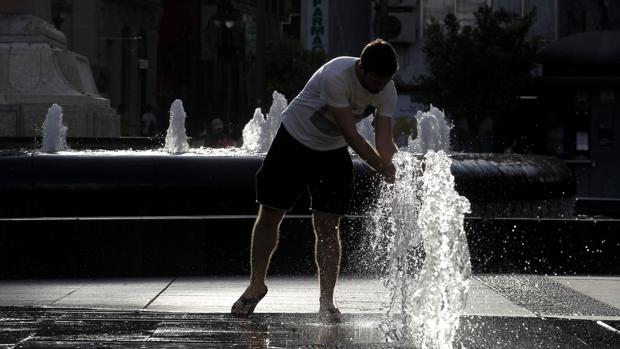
(57, 328)
(503, 311)
(547, 297)
(605, 289)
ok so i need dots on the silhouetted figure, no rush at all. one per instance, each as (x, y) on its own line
(149, 122)
(310, 152)
(218, 137)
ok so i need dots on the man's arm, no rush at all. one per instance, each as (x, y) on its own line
(346, 122)
(383, 138)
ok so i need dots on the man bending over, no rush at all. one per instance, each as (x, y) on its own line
(310, 151)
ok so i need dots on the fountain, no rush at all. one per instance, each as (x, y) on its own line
(260, 131)
(54, 131)
(205, 197)
(203, 184)
(433, 132)
(176, 139)
(422, 245)
(495, 184)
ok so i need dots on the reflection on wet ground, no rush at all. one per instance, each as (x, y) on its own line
(503, 311)
(73, 328)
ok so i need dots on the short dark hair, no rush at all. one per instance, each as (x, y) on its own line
(379, 57)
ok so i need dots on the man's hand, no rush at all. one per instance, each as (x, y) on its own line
(389, 172)
(380, 161)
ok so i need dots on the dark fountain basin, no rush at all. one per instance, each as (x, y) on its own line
(157, 184)
(150, 213)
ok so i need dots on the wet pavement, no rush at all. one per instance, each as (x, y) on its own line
(503, 311)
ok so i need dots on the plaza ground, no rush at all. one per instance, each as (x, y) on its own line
(503, 311)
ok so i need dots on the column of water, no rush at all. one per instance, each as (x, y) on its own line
(422, 241)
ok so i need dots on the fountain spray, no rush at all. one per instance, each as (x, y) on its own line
(422, 242)
(176, 139)
(259, 132)
(54, 132)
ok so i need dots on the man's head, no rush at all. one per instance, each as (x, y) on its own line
(378, 64)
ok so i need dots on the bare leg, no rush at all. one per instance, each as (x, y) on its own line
(327, 252)
(264, 244)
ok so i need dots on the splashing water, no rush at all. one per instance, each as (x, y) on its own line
(421, 242)
(366, 130)
(54, 132)
(259, 132)
(433, 132)
(176, 139)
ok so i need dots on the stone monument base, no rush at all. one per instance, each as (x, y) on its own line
(36, 70)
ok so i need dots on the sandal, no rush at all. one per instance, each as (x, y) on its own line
(244, 306)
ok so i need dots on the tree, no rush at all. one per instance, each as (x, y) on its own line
(288, 66)
(477, 72)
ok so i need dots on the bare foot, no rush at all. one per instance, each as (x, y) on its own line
(330, 314)
(246, 304)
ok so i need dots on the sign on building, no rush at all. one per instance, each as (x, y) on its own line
(316, 19)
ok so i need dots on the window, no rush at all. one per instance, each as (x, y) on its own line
(465, 10)
(437, 9)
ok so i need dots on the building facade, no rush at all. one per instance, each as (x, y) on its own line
(578, 95)
(120, 39)
(574, 113)
(211, 55)
(208, 53)
(37, 69)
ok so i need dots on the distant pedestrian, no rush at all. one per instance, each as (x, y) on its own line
(149, 122)
(219, 137)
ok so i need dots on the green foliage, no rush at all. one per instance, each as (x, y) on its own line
(477, 72)
(288, 66)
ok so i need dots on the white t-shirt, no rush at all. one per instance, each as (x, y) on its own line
(335, 84)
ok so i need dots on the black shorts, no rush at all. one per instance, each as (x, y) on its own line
(290, 167)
